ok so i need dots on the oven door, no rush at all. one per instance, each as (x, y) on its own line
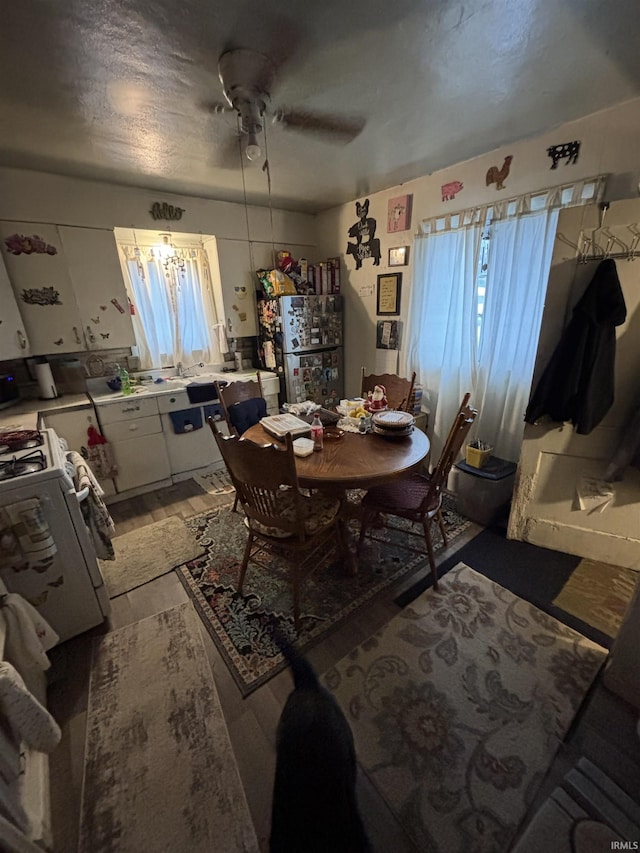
(65, 592)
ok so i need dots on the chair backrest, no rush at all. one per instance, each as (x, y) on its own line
(234, 397)
(399, 390)
(460, 427)
(257, 473)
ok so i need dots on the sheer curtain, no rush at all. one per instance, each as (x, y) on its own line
(175, 317)
(441, 329)
(519, 260)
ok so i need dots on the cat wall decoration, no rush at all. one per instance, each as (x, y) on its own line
(366, 243)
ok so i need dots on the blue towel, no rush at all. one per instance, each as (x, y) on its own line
(186, 420)
(214, 411)
(247, 413)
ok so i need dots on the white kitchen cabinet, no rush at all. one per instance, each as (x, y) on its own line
(13, 338)
(42, 286)
(238, 282)
(72, 425)
(68, 285)
(96, 276)
(141, 461)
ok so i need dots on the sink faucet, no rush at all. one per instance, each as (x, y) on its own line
(182, 371)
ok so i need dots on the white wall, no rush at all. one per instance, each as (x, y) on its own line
(37, 197)
(610, 143)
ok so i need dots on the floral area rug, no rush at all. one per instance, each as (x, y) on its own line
(240, 623)
(458, 706)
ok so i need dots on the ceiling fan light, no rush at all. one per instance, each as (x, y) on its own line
(253, 149)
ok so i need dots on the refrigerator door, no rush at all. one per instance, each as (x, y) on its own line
(311, 322)
(315, 376)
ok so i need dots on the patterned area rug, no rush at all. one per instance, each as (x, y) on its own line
(239, 624)
(599, 594)
(160, 773)
(458, 707)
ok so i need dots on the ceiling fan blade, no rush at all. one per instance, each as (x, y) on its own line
(334, 127)
(216, 107)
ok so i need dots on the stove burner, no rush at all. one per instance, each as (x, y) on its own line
(20, 439)
(28, 464)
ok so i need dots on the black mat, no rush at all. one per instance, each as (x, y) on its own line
(533, 573)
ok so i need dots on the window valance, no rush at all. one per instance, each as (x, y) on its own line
(588, 191)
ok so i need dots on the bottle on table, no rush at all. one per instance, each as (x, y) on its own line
(317, 432)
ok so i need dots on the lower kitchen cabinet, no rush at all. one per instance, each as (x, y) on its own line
(141, 460)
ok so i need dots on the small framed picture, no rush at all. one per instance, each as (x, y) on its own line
(388, 296)
(399, 256)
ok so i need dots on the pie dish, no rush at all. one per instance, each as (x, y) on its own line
(391, 420)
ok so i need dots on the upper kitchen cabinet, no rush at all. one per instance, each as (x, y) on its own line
(42, 286)
(68, 285)
(96, 276)
(238, 284)
(13, 339)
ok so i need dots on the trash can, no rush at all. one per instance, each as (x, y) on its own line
(482, 492)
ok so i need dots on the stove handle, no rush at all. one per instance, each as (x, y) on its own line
(82, 494)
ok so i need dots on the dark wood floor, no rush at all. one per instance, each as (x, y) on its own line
(606, 727)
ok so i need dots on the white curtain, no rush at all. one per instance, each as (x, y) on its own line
(519, 260)
(442, 322)
(175, 317)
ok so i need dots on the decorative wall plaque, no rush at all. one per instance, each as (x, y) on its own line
(162, 210)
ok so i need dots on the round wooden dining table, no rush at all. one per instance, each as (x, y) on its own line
(354, 461)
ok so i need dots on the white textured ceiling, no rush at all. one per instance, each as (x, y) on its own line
(113, 89)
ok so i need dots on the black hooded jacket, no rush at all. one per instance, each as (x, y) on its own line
(577, 384)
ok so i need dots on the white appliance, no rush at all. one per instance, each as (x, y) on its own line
(70, 594)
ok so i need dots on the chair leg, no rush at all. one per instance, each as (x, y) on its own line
(235, 504)
(295, 581)
(349, 562)
(367, 516)
(245, 560)
(432, 559)
(443, 530)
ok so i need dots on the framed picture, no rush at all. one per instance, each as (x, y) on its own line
(399, 256)
(388, 296)
(387, 334)
(399, 214)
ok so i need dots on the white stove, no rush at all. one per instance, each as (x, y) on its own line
(38, 500)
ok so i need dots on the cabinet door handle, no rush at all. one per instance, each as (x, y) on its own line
(22, 340)
(133, 427)
(76, 335)
(131, 409)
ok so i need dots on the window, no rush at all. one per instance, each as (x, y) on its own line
(173, 307)
(481, 281)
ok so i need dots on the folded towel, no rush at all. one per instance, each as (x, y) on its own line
(187, 420)
(29, 721)
(25, 538)
(247, 413)
(96, 516)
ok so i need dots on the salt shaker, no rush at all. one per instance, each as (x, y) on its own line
(362, 426)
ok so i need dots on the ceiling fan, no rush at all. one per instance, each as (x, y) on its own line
(247, 79)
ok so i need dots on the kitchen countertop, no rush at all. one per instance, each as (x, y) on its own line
(24, 415)
(100, 393)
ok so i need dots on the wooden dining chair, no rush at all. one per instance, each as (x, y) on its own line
(418, 497)
(399, 390)
(243, 405)
(301, 529)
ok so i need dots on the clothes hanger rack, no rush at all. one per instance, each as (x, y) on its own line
(590, 250)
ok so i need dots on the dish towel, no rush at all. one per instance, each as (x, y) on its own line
(25, 538)
(94, 510)
(187, 420)
(29, 720)
(27, 635)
